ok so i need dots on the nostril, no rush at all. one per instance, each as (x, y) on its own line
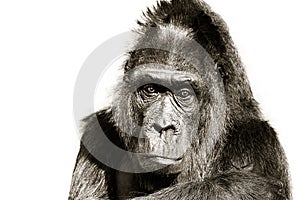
(170, 127)
(157, 127)
(160, 129)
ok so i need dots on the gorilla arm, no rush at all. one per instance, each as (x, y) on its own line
(231, 185)
(89, 176)
(88, 180)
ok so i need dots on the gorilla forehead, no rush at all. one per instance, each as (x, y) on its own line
(162, 74)
(161, 59)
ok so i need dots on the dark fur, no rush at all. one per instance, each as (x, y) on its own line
(247, 161)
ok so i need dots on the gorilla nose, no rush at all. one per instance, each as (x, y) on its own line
(167, 129)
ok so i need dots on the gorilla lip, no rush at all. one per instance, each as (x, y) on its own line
(161, 157)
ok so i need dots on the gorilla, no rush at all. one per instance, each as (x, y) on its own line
(184, 118)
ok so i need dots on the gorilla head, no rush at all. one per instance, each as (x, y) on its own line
(171, 98)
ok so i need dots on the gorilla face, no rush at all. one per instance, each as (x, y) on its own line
(166, 109)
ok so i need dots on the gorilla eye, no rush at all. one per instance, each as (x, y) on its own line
(150, 89)
(184, 93)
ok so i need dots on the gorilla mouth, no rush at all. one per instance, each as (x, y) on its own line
(163, 159)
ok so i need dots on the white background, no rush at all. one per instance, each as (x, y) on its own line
(44, 43)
